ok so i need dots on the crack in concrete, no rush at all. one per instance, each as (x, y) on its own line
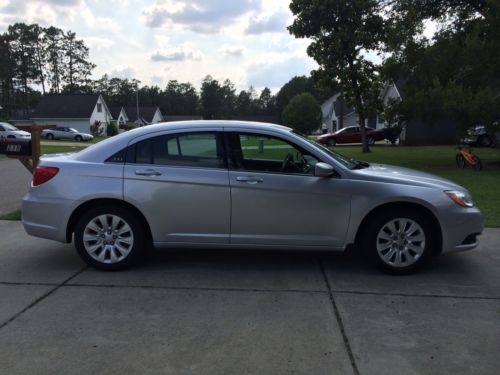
(338, 318)
(41, 298)
(257, 290)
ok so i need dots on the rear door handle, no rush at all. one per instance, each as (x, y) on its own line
(147, 172)
(249, 180)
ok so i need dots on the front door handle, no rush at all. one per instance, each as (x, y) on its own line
(249, 180)
(147, 172)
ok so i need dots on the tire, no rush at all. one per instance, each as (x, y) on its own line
(479, 165)
(50, 136)
(113, 250)
(399, 241)
(371, 141)
(460, 160)
(484, 141)
(331, 142)
(78, 138)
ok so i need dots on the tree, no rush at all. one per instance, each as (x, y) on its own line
(22, 53)
(456, 75)
(77, 68)
(179, 99)
(53, 41)
(210, 99)
(303, 113)
(267, 102)
(342, 32)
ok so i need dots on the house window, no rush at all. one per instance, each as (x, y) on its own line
(99, 107)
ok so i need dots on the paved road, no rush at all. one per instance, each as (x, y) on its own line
(14, 184)
(196, 312)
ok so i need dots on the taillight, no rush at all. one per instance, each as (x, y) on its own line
(44, 174)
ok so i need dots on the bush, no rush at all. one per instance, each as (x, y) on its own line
(391, 133)
(96, 129)
(303, 113)
(111, 129)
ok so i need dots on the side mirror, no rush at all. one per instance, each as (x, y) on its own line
(323, 170)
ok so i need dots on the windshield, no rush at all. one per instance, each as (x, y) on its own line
(345, 161)
(73, 130)
(9, 127)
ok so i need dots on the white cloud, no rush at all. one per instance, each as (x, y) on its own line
(200, 16)
(181, 53)
(126, 72)
(275, 23)
(275, 73)
(97, 42)
(234, 51)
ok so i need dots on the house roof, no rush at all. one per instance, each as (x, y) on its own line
(65, 106)
(115, 112)
(146, 113)
(341, 107)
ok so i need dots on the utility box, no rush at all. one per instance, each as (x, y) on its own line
(15, 147)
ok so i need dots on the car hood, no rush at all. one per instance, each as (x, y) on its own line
(405, 176)
(19, 132)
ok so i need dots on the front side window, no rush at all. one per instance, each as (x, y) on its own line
(186, 149)
(262, 153)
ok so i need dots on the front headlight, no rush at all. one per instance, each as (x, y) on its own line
(461, 198)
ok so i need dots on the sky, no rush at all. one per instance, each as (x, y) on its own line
(159, 40)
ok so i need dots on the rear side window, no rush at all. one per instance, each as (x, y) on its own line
(203, 150)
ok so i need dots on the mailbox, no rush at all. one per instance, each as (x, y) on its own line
(15, 147)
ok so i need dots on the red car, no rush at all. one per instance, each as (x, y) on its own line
(351, 134)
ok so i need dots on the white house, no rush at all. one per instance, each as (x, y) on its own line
(147, 115)
(78, 111)
(336, 114)
(119, 115)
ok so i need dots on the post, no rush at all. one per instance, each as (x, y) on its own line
(30, 162)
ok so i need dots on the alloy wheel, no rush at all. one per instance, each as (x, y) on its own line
(108, 238)
(400, 242)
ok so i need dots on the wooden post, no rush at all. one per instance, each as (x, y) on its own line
(30, 162)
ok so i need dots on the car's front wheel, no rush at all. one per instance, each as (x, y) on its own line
(78, 138)
(109, 237)
(331, 142)
(371, 141)
(399, 241)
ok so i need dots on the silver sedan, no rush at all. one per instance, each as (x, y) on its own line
(63, 132)
(217, 184)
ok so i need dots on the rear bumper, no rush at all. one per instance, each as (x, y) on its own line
(46, 218)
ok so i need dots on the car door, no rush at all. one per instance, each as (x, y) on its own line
(277, 200)
(179, 181)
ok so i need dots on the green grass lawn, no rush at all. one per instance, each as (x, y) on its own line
(14, 215)
(440, 160)
(57, 149)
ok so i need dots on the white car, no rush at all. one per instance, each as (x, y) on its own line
(10, 131)
(63, 132)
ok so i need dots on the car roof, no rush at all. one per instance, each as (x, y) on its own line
(99, 150)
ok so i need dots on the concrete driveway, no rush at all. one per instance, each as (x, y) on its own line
(14, 184)
(196, 312)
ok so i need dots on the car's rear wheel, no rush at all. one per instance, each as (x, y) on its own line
(398, 241)
(50, 136)
(109, 238)
(78, 138)
(331, 142)
(484, 141)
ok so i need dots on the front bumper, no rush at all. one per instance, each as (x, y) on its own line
(460, 230)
